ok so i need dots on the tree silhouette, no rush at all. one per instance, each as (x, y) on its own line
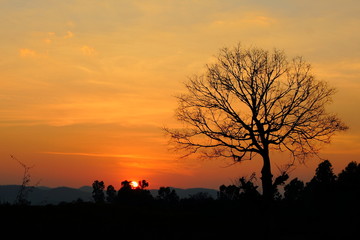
(143, 184)
(230, 192)
(294, 190)
(165, 194)
(141, 195)
(125, 185)
(348, 182)
(322, 185)
(245, 190)
(110, 194)
(251, 101)
(127, 194)
(25, 188)
(248, 190)
(124, 193)
(324, 175)
(350, 176)
(98, 191)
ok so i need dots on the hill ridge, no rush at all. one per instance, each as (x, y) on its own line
(42, 195)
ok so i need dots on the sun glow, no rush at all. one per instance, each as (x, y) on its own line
(134, 184)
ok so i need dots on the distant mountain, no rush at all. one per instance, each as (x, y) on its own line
(60, 194)
(8, 193)
(45, 195)
(86, 189)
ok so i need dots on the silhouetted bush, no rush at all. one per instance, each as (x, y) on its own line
(280, 180)
(245, 190)
(248, 190)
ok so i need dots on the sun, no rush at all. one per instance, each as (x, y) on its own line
(134, 184)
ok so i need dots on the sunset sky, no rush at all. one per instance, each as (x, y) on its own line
(87, 85)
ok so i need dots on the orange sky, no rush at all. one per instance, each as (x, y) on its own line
(86, 85)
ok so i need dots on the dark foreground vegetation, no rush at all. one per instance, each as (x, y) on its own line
(327, 207)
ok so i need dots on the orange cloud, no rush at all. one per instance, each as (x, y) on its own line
(47, 40)
(25, 52)
(88, 51)
(70, 24)
(248, 20)
(69, 34)
(100, 155)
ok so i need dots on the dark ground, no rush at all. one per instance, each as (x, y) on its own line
(205, 220)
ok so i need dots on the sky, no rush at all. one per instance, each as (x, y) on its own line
(86, 86)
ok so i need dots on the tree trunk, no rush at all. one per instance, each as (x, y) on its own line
(266, 178)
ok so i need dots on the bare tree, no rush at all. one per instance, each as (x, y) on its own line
(25, 188)
(251, 101)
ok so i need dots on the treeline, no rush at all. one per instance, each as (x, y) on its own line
(325, 187)
(326, 207)
(130, 194)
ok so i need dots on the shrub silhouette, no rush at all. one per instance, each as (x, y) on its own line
(246, 190)
(280, 180)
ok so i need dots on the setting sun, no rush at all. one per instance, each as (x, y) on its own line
(134, 184)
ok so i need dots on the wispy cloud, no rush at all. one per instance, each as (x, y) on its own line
(252, 19)
(69, 34)
(133, 162)
(25, 52)
(106, 155)
(88, 51)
